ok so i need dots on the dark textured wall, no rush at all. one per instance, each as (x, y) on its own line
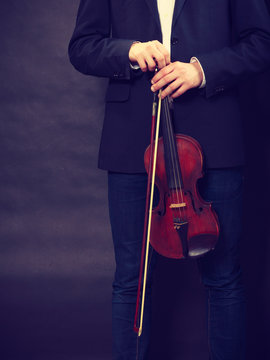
(56, 257)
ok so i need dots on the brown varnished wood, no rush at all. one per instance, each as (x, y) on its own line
(202, 222)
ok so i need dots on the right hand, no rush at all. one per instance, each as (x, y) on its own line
(148, 55)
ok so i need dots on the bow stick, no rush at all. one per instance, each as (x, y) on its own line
(148, 215)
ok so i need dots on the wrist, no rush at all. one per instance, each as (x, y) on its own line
(198, 68)
(195, 60)
(131, 56)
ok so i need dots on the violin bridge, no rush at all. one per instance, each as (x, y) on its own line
(177, 206)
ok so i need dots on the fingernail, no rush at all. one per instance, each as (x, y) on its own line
(152, 88)
(152, 82)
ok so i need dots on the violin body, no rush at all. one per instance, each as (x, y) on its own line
(183, 224)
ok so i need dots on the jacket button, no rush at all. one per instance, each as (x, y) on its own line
(219, 89)
(174, 41)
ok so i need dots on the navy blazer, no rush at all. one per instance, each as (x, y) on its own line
(231, 39)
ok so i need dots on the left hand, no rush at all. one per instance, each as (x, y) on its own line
(177, 78)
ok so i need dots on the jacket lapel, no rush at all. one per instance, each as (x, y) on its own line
(152, 4)
(177, 10)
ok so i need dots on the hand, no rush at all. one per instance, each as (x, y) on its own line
(177, 78)
(149, 54)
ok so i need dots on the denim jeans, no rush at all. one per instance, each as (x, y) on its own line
(220, 269)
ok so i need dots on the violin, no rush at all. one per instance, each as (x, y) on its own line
(182, 225)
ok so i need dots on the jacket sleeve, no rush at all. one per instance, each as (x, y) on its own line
(92, 50)
(250, 53)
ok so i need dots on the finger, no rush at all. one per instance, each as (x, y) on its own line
(139, 52)
(166, 70)
(161, 48)
(150, 62)
(159, 58)
(148, 55)
(141, 62)
(165, 52)
(171, 88)
(180, 91)
(160, 54)
(163, 81)
(152, 50)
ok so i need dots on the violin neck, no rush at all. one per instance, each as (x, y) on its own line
(172, 163)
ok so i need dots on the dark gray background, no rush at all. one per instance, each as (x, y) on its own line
(56, 256)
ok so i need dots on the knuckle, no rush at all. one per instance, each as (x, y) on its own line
(162, 72)
(159, 58)
(178, 66)
(166, 70)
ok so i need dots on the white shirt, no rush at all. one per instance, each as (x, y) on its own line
(165, 10)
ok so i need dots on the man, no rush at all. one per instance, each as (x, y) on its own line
(203, 49)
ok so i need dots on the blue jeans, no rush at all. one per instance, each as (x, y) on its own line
(220, 269)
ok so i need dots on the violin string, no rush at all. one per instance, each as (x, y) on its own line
(166, 113)
(170, 139)
(181, 209)
(173, 150)
(174, 162)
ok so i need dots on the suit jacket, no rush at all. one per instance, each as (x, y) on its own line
(231, 39)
